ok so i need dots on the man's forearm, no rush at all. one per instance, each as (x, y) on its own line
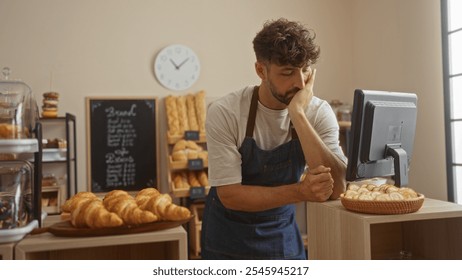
(257, 198)
(317, 153)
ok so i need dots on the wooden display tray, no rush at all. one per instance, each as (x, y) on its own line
(65, 229)
(184, 192)
(195, 227)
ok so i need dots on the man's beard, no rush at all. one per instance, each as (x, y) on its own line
(283, 98)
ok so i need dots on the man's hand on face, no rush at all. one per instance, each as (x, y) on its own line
(302, 99)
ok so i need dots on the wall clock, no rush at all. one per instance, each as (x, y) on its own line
(177, 67)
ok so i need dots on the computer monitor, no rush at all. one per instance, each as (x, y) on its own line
(382, 135)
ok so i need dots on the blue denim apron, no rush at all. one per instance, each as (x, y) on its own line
(270, 234)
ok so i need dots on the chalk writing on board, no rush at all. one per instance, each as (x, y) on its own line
(123, 144)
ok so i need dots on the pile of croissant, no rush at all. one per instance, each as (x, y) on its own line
(383, 192)
(119, 208)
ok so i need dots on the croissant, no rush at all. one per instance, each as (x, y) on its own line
(76, 199)
(124, 205)
(91, 213)
(161, 205)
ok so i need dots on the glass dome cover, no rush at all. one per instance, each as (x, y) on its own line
(15, 194)
(18, 109)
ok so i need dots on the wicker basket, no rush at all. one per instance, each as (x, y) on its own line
(383, 207)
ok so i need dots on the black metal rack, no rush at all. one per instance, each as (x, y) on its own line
(71, 150)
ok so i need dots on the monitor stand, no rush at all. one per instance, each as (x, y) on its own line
(400, 164)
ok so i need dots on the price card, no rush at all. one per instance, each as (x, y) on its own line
(195, 164)
(191, 135)
(197, 192)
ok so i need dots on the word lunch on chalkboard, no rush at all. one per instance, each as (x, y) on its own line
(122, 145)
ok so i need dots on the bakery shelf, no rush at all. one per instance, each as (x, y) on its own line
(195, 227)
(172, 139)
(61, 161)
(17, 146)
(48, 195)
(179, 165)
(182, 192)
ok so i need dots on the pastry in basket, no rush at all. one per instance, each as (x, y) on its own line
(92, 214)
(383, 192)
(125, 206)
(152, 200)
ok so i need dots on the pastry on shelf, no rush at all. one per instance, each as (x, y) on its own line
(49, 180)
(385, 192)
(50, 105)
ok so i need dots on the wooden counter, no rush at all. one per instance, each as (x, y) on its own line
(433, 232)
(6, 251)
(169, 244)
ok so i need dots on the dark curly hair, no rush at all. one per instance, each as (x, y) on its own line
(286, 42)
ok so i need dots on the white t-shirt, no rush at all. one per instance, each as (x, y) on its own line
(226, 126)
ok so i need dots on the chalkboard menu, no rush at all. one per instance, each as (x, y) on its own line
(122, 143)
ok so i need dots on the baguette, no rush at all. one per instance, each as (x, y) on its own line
(200, 110)
(191, 105)
(172, 115)
(182, 114)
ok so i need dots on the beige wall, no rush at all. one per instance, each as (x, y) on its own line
(397, 46)
(106, 48)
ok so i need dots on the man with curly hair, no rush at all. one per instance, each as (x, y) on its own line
(261, 140)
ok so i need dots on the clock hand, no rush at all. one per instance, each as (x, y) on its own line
(184, 61)
(176, 66)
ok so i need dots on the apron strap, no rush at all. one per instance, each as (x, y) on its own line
(293, 131)
(253, 114)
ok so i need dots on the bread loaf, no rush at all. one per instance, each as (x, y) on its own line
(200, 110)
(187, 149)
(179, 156)
(180, 181)
(192, 179)
(192, 118)
(203, 178)
(182, 114)
(172, 115)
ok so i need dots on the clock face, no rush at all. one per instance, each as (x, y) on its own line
(177, 67)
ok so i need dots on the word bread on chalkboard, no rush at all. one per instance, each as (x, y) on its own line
(123, 144)
(185, 115)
